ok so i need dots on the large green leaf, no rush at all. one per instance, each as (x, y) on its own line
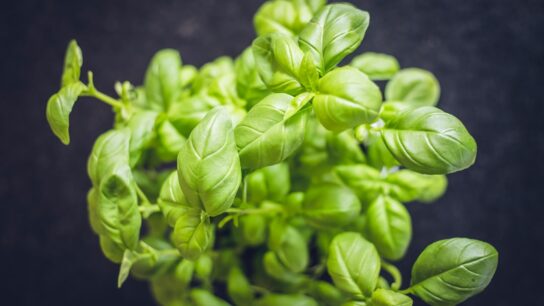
(208, 165)
(414, 86)
(265, 137)
(450, 271)
(430, 141)
(59, 108)
(389, 227)
(353, 264)
(347, 98)
(334, 32)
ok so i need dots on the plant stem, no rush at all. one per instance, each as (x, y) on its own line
(395, 273)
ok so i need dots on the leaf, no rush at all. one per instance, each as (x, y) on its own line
(249, 85)
(389, 227)
(129, 257)
(192, 234)
(377, 66)
(111, 250)
(203, 267)
(278, 59)
(334, 32)
(239, 288)
(289, 245)
(413, 86)
(162, 82)
(285, 16)
(110, 153)
(172, 201)
(73, 60)
(186, 114)
(430, 141)
(347, 98)
(59, 108)
(170, 141)
(184, 272)
(353, 264)
(286, 299)
(367, 182)
(379, 156)
(208, 165)
(168, 290)
(343, 148)
(382, 297)
(252, 229)
(330, 206)
(264, 137)
(326, 293)
(201, 297)
(416, 186)
(274, 268)
(141, 126)
(309, 73)
(272, 182)
(450, 271)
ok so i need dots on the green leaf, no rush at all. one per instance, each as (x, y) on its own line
(272, 182)
(286, 299)
(111, 250)
(334, 32)
(378, 154)
(252, 229)
(278, 59)
(416, 186)
(330, 206)
(110, 153)
(248, 82)
(184, 272)
(285, 16)
(274, 268)
(289, 245)
(392, 109)
(186, 114)
(172, 201)
(343, 148)
(92, 202)
(389, 227)
(162, 79)
(450, 271)
(239, 288)
(353, 264)
(414, 86)
(347, 98)
(141, 126)
(170, 141)
(208, 165)
(59, 108)
(129, 257)
(367, 182)
(309, 73)
(192, 233)
(201, 297)
(187, 75)
(168, 290)
(73, 60)
(377, 66)
(264, 137)
(382, 297)
(326, 293)
(204, 267)
(430, 141)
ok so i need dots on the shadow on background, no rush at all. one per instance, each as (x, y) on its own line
(488, 56)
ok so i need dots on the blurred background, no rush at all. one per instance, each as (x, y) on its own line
(487, 54)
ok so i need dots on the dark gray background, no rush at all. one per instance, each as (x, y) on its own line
(487, 54)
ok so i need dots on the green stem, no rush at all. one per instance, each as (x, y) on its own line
(395, 273)
(254, 211)
(93, 92)
(148, 209)
(142, 196)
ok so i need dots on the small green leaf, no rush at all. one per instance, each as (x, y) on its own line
(382, 297)
(239, 288)
(185, 115)
(141, 125)
(413, 86)
(248, 82)
(162, 79)
(208, 165)
(309, 74)
(377, 66)
(129, 257)
(170, 141)
(289, 245)
(59, 108)
(286, 299)
(252, 229)
(347, 98)
(333, 33)
(274, 268)
(73, 60)
(285, 16)
(272, 183)
(111, 250)
(192, 233)
(203, 267)
(172, 201)
(201, 297)
(264, 137)
(430, 141)
(367, 182)
(450, 271)
(389, 227)
(353, 264)
(330, 206)
(416, 186)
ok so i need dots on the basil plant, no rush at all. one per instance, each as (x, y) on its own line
(281, 176)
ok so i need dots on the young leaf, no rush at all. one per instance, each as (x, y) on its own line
(129, 257)
(278, 59)
(389, 227)
(192, 233)
(334, 32)
(264, 137)
(274, 268)
(185, 115)
(382, 297)
(208, 165)
(430, 141)
(110, 152)
(414, 86)
(330, 206)
(285, 16)
(289, 245)
(249, 85)
(239, 288)
(59, 108)
(416, 186)
(172, 201)
(111, 250)
(141, 126)
(377, 66)
(353, 264)
(346, 99)
(73, 60)
(450, 271)
(367, 182)
(162, 83)
(201, 297)
(252, 229)
(170, 141)
(272, 182)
